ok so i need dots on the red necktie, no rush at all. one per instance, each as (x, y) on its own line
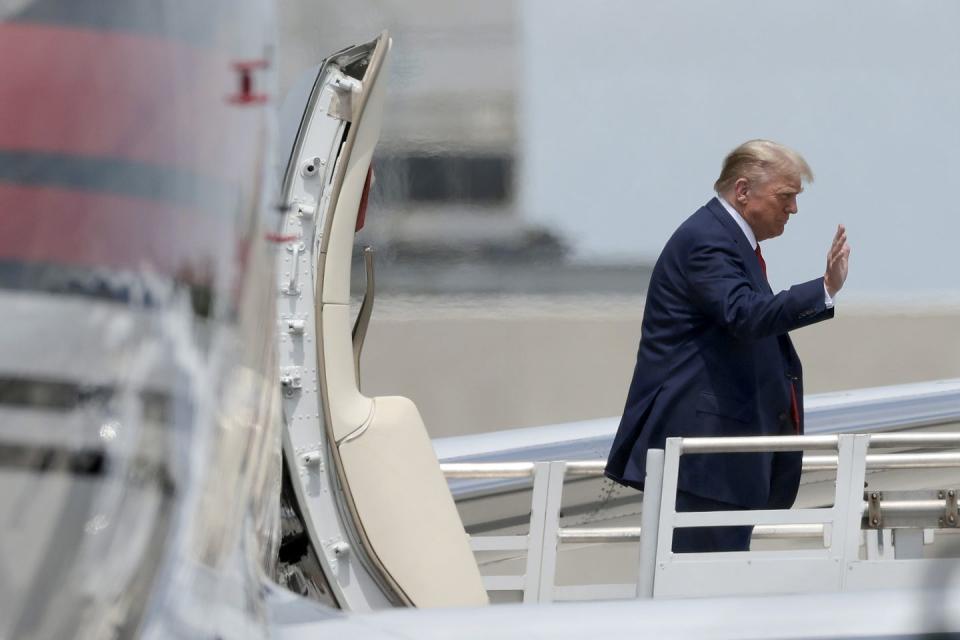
(763, 263)
(794, 405)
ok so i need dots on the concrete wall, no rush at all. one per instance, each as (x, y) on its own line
(500, 363)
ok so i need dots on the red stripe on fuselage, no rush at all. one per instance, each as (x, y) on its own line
(96, 230)
(99, 93)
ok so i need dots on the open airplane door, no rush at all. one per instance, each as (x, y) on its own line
(366, 480)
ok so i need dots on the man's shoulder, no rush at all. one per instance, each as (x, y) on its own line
(703, 226)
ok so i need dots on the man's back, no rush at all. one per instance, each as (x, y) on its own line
(714, 359)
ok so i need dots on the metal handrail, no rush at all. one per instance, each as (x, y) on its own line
(487, 469)
(759, 443)
(588, 468)
(594, 468)
(889, 461)
(632, 534)
(887, 508)
(823, 524)
(814, 443)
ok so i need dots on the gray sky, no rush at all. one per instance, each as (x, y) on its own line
(627, 109)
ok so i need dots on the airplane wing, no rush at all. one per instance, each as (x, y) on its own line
(870, 410)
(924, 406)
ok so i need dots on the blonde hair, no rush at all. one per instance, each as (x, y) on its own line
(757, 160)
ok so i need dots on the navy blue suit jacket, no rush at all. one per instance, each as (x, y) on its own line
(715, 359)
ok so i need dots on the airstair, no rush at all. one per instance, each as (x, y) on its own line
(861, 538)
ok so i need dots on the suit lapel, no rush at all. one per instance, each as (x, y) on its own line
(743, 245)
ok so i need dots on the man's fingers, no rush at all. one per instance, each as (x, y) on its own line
(841, 253)
(841, 230)
(839, 239)
(844, 256)
(838, 254)
(837, 248)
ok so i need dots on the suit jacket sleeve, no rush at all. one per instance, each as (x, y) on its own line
(722, 289)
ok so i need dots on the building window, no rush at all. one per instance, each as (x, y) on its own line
(445, 178)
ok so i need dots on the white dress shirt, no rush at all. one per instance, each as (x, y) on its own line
(752, 239)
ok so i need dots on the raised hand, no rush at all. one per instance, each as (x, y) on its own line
(838, 260)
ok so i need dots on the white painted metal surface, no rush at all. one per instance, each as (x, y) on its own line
(849, 558)
(365, 474)
(696, 574)
(305, 441)
(893, 613)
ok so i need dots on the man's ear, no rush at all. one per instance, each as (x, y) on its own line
(740, 189)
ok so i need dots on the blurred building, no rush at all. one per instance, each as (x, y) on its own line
(446, 185)
(536, 129)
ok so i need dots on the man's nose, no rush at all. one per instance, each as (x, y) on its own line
(792, 207)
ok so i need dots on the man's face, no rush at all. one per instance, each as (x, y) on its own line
(767, 205)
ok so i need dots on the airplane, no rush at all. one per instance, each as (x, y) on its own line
(184, 445)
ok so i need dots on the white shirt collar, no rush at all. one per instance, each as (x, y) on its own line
(744, 226)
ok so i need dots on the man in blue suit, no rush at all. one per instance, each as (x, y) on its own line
(715, 358)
